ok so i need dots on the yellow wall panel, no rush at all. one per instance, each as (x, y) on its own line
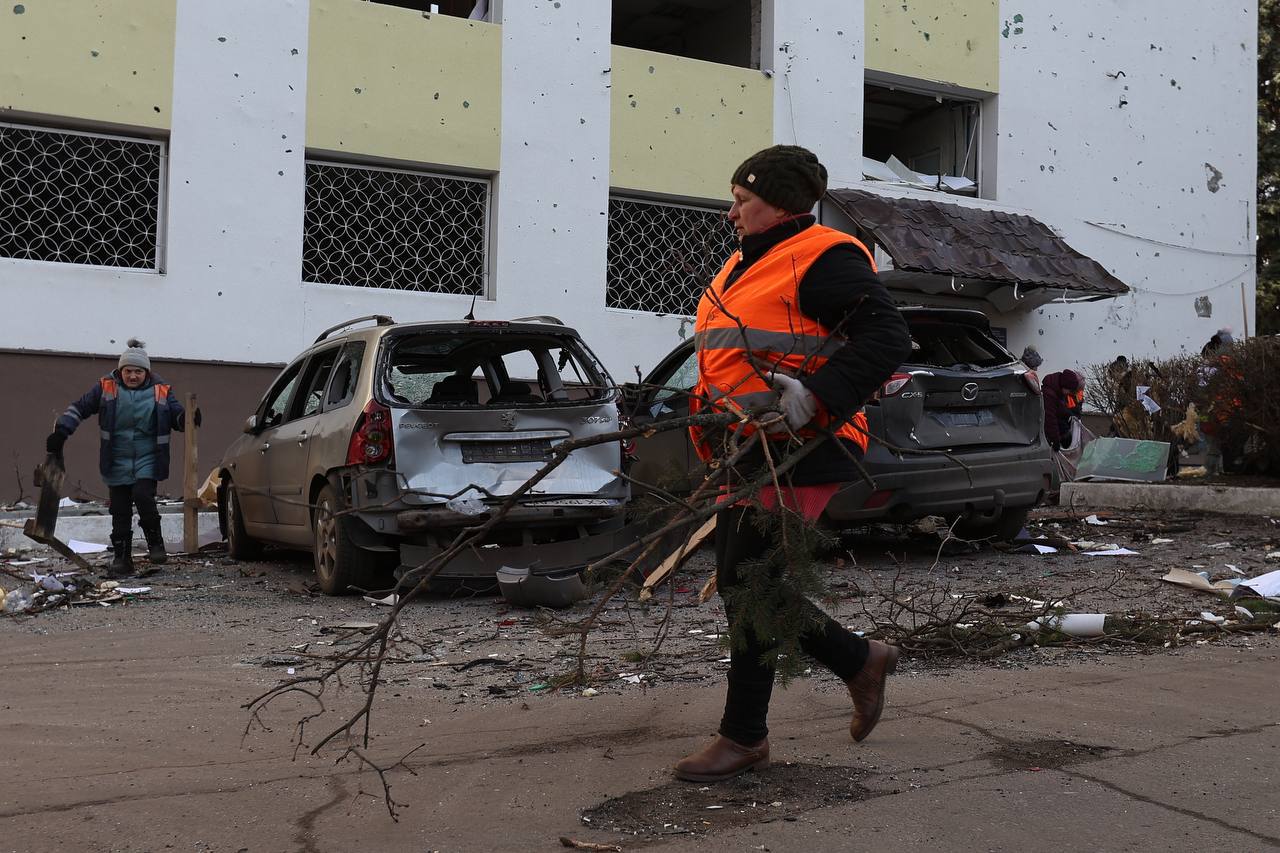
(390, 82)
(680, 126)
(101, 60)
(949, 41)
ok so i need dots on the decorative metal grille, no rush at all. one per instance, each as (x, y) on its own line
(661, 256)
(79, 198)
(368, 227)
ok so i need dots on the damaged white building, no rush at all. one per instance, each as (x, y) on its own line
(227, 179)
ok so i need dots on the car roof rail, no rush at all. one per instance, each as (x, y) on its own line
(539, 318)
(380, 319)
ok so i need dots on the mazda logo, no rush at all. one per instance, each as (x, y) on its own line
(970, 391)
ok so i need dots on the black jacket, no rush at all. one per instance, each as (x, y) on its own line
(841, 292)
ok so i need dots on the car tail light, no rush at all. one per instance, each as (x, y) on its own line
(371, 443)
(1033, 382)
(893, 385)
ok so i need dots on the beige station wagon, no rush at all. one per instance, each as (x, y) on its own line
(377, 445)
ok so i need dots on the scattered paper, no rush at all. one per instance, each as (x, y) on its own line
(1212, 617)
(1182, 577)
(133, 590)
(390, 601)
(1267, 586)
(66, 502)
(1112, 552)
(1033, 548)
(1093, 519)
(1159, 541)
(1219, 545)
(85, 547)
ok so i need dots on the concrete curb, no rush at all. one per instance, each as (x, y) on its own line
(97, 528)
(1232, 500)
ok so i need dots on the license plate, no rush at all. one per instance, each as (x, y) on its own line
(538, 450)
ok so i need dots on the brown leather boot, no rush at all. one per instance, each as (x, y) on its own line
(867, 688)
(723, 759)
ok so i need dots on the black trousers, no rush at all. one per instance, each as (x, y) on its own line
(141, 494)
(746, 707)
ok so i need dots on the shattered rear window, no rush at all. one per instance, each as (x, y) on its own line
(452, 369)
(954, 345)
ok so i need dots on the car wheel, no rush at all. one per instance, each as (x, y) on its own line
(339, 563)
(240, 546)
(1005, 528)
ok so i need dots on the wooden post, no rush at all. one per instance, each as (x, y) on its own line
(190, 503)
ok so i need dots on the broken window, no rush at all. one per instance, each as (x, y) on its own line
(80, 198)
(661, 255)
(919, 138)
(723, 31)
(476, 10)
(395, 229)
(503, 368)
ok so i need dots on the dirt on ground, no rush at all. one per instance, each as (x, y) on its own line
(480, 652)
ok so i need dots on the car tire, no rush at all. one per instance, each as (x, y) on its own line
(1005, 528)
(240, 545)
(339, 563)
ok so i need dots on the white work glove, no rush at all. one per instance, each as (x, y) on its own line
(798, 403)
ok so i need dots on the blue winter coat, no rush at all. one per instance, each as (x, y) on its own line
(119, 453)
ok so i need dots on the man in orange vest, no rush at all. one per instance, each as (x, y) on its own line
(797, 318)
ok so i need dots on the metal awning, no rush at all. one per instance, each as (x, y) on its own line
(949, 242)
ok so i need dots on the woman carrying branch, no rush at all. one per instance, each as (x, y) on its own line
(797, 319)
(136, 411)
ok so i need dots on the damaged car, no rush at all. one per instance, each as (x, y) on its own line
(961, 396)
(379, 444)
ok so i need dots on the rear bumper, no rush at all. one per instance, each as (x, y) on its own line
(917, 486)
(540, 558)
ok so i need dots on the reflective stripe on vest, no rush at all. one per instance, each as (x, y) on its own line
(757, 327)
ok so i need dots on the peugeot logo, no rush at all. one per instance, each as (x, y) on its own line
(970, 391)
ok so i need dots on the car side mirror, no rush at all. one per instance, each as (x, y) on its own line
(251, 424)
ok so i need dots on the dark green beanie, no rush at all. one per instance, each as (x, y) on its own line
(786, 176)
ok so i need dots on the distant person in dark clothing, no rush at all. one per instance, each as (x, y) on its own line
(1063, 399)
(1220, 339)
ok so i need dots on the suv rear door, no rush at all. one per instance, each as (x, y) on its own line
(961, 389)
(486, 406)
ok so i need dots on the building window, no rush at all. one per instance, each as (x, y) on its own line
(921, 138)
(661, 256)
(79, 198)
(476, 10)
(723, 31)
(389, 228)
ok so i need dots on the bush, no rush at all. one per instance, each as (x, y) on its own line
(1235, 394)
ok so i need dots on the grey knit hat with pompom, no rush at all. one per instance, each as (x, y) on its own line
(135, 355)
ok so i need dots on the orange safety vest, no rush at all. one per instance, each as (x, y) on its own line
(774, 335)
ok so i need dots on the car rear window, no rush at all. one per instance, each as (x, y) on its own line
(449, 369)
(954, 345)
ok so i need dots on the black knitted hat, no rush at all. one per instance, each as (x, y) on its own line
(786, 176)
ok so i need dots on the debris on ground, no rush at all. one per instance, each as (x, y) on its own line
(37, 593)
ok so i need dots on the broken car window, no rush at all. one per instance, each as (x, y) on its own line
(954, 346)
(489, 368)
(314, 381)
(279, 396)
(343, 387)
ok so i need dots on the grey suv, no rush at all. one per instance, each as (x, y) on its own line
(960, 392)
(374, 447)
